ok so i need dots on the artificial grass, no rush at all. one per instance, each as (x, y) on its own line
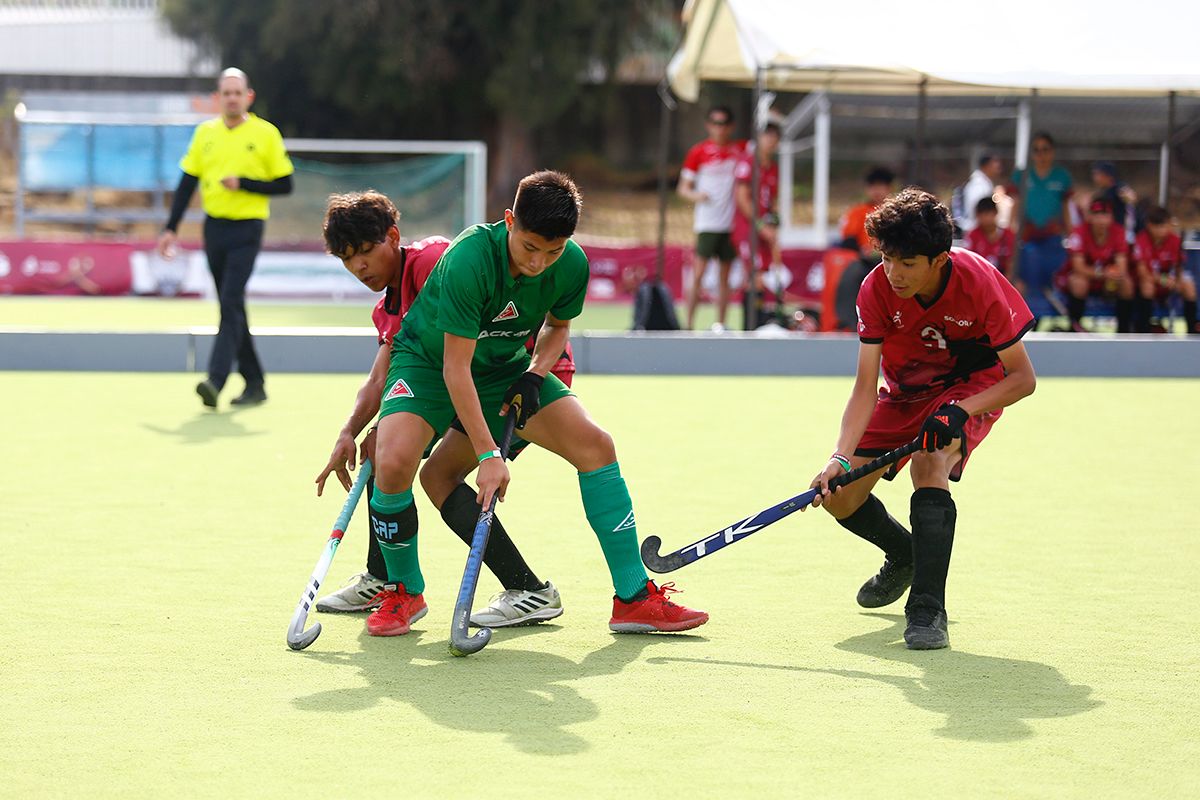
(153, 553)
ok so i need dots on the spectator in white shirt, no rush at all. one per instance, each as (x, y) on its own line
(981, 184)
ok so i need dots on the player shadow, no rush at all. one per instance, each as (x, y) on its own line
(526, 695)
(206, 426)
(982, 698)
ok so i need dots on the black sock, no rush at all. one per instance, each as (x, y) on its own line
(1124, 316)
(1075, 308)
(375, 563)
(461, 512)
(872, 522)
(1142, 308)
(933, 515)
(1189, 315)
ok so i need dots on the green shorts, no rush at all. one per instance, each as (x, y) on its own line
(715, 245)
(417, 387)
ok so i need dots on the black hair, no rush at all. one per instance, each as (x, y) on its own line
(985, 159)
(911, 223)
(1157, 215)
(548, 204)
(1045, 137)
(773, 127)
(986, 204)
(879, 175)
(726, 110)
(355, 219)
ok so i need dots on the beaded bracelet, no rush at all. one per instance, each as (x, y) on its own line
(841, 459)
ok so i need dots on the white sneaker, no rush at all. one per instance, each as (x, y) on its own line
(519, 607)
(357, 595)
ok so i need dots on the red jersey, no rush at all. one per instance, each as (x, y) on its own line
(927, 347)
(1162, 259)
(768, 193)
(710, 167)
(998, 252)
(417, 261)
(1094, 253)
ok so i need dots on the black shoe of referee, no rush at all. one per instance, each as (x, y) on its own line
(888, 586)
(251, 396)
(926, 624)
(208, 393)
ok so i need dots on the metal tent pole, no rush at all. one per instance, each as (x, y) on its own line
(1164, 161)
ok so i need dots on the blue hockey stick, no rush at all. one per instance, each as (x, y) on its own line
(743, 528)
(460, 643)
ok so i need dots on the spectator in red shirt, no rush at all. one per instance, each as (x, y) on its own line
(991, 241)
(1098, 266)
(1161, 270)
(707, 180)
(767, 223)
(854, 225)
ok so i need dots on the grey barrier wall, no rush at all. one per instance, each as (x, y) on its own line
(352, 351)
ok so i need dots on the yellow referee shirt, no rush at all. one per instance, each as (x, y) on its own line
(252, 150)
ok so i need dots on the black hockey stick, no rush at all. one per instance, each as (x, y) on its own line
(460, 643)
(743, 528)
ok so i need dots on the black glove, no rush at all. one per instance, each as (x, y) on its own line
(943, 425)
(526, 395)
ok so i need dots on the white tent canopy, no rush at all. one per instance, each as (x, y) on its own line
(875, 46)
(1019, 47)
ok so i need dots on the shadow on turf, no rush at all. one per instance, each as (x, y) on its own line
(206, 426)
(524, 694)
(983, 698)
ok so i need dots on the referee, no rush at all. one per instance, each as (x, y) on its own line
(238, 160)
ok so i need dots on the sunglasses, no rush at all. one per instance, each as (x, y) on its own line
(721, 122)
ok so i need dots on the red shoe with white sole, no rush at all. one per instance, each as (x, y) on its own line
(654, 612)
(397, 611)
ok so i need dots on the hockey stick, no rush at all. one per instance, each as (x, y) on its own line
(743, 528)
(297, 637)
(460, 643)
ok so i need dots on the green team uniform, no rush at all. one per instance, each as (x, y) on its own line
(472, 294)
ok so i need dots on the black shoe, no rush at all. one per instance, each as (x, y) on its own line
(252, 396)
(887, 587)
(926, 624)
(208, 393)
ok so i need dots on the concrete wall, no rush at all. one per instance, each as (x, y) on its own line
(352, 350)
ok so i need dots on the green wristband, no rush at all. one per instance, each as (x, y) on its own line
(489, 454)
(845, 462)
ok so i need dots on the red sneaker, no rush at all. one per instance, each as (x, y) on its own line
(397, 611)
(654, 612)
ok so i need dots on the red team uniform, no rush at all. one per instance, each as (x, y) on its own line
(768, 192)
(417, 261)
(1096, 254)
(998, 252)
(940, 352)
(1163, 259)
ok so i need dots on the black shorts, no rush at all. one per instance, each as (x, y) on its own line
(715, 245)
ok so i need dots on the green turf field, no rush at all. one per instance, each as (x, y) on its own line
(153, 554)
(156, 313)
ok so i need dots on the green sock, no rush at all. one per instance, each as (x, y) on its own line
(394, 521)
(610, 513)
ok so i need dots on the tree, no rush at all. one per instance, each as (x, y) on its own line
(500, 69)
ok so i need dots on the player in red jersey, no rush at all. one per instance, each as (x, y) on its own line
(989, 240)
(1098, 265)
(947, 327)
(767, 255)
(1162, 270)
(381, 263)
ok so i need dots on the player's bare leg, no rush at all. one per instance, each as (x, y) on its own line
(699, 265)
(639, 605)
(933, 516)
(859, 511)
(723, 291)
(525, 599)
(399, 444)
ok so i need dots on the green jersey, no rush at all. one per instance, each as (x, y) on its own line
(471, 293)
